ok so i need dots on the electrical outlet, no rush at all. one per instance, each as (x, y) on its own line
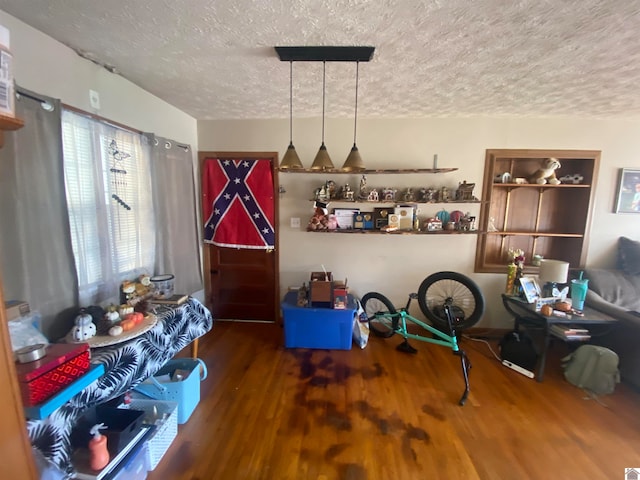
(295, 222)
(94, 99)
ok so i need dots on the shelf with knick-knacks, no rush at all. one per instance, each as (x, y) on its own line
(329, 191)
(396, 209)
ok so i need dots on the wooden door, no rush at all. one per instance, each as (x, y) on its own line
(243, 284)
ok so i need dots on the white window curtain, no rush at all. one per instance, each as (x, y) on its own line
(108, 189)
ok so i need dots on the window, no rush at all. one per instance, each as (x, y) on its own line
(108, 188)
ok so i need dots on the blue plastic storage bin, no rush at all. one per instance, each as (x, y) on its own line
(185, 391)
(323, 328)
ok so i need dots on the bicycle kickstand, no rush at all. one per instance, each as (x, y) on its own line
(466, 366)
(464, 360)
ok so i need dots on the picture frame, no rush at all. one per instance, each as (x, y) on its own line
(530, 288)
(628, 192)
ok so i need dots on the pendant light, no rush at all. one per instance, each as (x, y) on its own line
(322, 160)
(291, 161)
(354, 163)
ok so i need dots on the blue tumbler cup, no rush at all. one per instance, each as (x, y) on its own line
(579, 289)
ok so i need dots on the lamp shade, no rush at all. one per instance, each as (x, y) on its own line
(354, 162)
(553, 271)
(291, 161)
(322, 160)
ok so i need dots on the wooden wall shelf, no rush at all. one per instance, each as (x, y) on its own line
(548, 220)
(367, 172)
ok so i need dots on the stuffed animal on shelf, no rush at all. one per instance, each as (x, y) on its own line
(546, 173)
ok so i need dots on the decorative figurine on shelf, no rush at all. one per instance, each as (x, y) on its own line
(428, 195)
(546, 173)
(444, 195)
(409, 196)
(374, 196)
(575, 179)
(389, 194)
(363, 193)
(332, 222)
(465, 191)
(319, 221)
(84, 327)
(322, 194)
(331, 187)
(502, 178)
(347, 193)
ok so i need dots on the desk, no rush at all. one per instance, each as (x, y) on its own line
(526, 315)
(126, 365)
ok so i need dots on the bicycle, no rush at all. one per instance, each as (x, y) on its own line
(448, 299)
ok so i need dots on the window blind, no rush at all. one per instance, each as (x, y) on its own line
(108, 189)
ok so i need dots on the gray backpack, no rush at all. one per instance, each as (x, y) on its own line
(593, 368)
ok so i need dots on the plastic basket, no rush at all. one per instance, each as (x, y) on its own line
(165, 416)
(185, 391)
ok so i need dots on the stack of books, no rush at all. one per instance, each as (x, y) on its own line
(567, 332)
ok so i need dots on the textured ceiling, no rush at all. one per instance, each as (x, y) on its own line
(215, 59)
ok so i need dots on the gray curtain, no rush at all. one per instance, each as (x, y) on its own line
(36, 257)
(174, 199)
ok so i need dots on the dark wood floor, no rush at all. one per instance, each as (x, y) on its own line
(271, 413)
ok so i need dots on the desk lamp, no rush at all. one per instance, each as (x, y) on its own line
(552, 272)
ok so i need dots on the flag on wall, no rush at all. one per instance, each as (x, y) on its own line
(238, 203)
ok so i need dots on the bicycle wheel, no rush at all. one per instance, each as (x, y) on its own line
(454, 289)
(374, 303)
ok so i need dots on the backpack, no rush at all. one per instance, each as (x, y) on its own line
(518, 347)
(593, 368)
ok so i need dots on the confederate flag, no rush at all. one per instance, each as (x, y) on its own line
(238, 203)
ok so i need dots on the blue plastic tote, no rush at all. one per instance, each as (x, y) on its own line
(185, 391)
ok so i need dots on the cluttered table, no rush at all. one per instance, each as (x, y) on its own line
(526, 315)
(126, 364)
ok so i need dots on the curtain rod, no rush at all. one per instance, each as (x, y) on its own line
(28, 95)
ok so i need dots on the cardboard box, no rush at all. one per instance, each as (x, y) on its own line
(16, 309)
(340, 292)
(324, 328)
(321, 286)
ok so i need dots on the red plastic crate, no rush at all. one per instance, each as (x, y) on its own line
(62, 364)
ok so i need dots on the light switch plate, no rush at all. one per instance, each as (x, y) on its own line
(295, 222)
(94, 99)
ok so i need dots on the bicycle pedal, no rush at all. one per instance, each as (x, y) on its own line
(406, 348)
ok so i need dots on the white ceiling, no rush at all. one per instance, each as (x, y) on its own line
(215, 59)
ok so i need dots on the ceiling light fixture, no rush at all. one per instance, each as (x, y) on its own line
(354, 162)
(291, 159)
(322, 160)
(323, 54)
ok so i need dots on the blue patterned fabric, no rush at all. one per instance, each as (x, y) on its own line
(126, 365)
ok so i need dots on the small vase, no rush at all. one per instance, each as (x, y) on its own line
(511, 278)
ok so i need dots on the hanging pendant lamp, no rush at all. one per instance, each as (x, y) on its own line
(291, 161)
(354, 162)
(322, 160)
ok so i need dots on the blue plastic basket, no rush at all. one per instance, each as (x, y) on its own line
(186, 391)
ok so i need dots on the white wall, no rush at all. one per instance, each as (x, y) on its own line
(45, 66)
(395, 265)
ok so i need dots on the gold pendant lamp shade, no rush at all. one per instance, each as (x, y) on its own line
(291, 161)
(322, 160)
(354, 162)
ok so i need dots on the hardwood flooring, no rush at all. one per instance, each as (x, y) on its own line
(267, 412)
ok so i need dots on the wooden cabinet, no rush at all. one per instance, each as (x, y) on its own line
(548, 220)
(16, 460)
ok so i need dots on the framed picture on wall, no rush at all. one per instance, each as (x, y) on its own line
(628, 194)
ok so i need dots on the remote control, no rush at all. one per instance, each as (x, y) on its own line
(518, 368)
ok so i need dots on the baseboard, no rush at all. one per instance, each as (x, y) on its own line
(486, 333)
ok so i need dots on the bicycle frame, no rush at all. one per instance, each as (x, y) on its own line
(399, 326)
